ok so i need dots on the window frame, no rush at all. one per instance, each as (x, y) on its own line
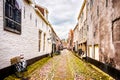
(44, 41)
(30, 16)
(115, 41)
(36, 22)
(11, 18)
(106, 3)
(39, 40)
(91, 4)
(24, 12)
(97, 10)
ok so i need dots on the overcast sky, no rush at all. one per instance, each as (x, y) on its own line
(62, 14)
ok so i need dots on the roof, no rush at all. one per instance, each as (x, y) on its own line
(40, 11)
(41, 8)
(75, 27)
(29, 1)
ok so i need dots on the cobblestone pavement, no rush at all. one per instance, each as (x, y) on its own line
(66, 66)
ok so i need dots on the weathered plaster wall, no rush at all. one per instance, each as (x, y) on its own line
(102, 25)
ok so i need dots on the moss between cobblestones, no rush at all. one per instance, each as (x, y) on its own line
(88, 70)
(70, 69)
(30, 69)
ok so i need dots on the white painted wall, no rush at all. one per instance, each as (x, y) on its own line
(12, 44)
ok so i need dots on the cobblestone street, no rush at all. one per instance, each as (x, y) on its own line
(66, 66)
(60, 40)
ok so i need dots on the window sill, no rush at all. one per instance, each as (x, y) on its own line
(12, 30)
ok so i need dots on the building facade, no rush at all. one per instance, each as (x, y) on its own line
(24, 29)
(103, 20)
(82, 26)
(93, 29)
(76, 37)
(64, 44)
(70, 44)
(56, 42)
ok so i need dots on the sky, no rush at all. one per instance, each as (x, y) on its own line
(62, 14)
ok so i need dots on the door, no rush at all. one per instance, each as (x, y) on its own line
(96, 52)
(90, 51)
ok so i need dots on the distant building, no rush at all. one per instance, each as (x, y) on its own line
(56, 42)
(70, 40)
(76, 37)
(64, 43)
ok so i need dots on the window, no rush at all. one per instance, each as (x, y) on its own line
(39, 41)
(36, 22)
(87, 28)
(106, 3)
(42, 24)
(116, 31)
(94, 34)
(24, 12)
(82, 32)
(98, 11)
(91, 3)
(91, 16)
(30, 16)
(44, 42)
(88, 6)
(10, 11)
(82, 15)
(12, 19)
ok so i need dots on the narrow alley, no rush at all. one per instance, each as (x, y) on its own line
(60, 40)
(66, 66)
